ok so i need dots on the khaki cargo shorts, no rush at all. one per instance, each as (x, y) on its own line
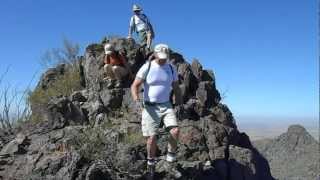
(152, 115)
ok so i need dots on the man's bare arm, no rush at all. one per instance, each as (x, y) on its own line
(177, 93)
(135, 88)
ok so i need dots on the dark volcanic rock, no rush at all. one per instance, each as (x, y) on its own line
(197, 69)
(293, 155)
(96, 133)
(207, 95)
(62, 112)
(247, 164)
(51, 75)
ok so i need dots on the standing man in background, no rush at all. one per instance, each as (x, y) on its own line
(140, 23)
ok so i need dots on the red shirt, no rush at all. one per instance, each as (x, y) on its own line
(114, 59)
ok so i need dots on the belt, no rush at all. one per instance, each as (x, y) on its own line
(143, 30)
(148, 103)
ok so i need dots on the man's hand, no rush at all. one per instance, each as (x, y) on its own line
(135, 89)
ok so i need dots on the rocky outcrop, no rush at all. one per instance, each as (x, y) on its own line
(293, 155)
(95, 133)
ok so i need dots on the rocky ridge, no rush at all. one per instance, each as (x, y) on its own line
(95, 133)
(295, 154)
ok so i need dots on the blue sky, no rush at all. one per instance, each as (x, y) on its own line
(264, 53)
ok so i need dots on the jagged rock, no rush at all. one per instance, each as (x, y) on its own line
(62, 112)
(187, 79)
(78, 96)
(192, 110)
(207, 95)
(217, 140)
(191, 136)
(16, 146)
(244, 164)
(170, 171)
(211, 147)
(292, 155)
(222, 114)
(5, 137)
(197, 69)
(112, 98)
(93, 106)
(93, 69)
(51, 75)
(208, 75)
(98, 170)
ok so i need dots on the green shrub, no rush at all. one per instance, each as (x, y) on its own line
(90, 143)
(132, 138)
(64, 85)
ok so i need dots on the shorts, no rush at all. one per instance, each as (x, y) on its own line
(152, 115)
(143, 37)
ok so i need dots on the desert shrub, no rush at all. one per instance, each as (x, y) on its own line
(13, 108)
(64, 85)
(90, 143)
(68, 54)
(132, 138)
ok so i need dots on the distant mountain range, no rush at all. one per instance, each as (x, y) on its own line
(259, 128)
(294, 155)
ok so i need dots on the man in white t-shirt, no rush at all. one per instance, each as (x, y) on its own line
(140, 23)
(159, 78)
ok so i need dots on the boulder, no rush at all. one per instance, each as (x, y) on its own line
(197, 69)
(17, 146)
(246, 164)
(51, 75)
(222, 114)
(62, 112)
(207, 95)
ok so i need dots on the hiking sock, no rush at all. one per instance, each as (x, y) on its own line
(151, 161)
(171, 156)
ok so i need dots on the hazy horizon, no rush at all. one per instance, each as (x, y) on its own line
(271, 127)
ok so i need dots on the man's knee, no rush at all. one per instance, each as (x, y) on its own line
(106, 67)
(175, 131)
(119, 71)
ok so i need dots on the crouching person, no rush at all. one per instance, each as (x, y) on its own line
(159, 78)
(115, 67)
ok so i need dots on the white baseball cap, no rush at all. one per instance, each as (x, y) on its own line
(136, 8)
(162, 51)
(108, 48)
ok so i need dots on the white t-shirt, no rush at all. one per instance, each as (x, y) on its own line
(140, 25)
(158, 83)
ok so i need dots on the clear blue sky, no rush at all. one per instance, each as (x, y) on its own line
(264, 53)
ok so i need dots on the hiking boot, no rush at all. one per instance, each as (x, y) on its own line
(151, 167)
(171, 157)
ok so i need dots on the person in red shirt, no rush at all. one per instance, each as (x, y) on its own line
(115, 67)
